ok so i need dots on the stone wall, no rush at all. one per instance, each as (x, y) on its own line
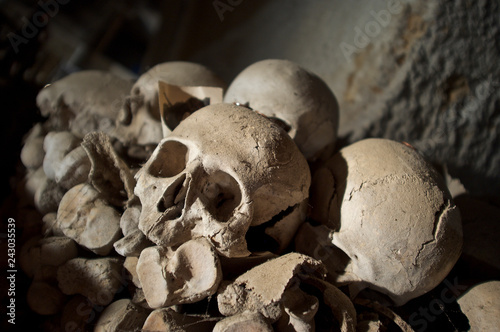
(425, 72)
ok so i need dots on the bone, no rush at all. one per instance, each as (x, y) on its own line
(57, 145)
(84, 216)
(198, 183)
(132, 244)
(249, 292)
(130, 264)
(45, 299)
(134, 240)
(50, 226)
(34, 179)
(140, 115)
(129, 221)
(48, 196)
(401, 207)
(84, 101)
(245, 321)
(300, 309)
(46, 254)
(189, 274)
(97, 279)
(301, 100)
(74, 168)
(123, 316)
(166, 319)
(109, 174)
(341, 307)
(32, 153)
(481, 305)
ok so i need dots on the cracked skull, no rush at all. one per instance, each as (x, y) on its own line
(225, 172)
(388, 220)
(294, 97)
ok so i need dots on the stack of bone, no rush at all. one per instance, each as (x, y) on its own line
(244, 214)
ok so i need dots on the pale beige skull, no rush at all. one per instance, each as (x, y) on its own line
(139, 120)
(223, 169)
(389, 222)
(84, 101)
(284, 91)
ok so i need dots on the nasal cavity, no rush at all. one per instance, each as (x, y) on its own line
(174, 195)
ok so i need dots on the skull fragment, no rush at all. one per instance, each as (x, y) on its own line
(224, 170)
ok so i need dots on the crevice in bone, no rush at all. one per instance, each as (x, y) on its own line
(174, 195)
(437, 219)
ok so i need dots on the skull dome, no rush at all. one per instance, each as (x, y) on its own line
(223, 170)
(301, 101)
(389, 218)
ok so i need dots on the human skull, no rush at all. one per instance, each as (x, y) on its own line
(284, 91)
(223, 169)
(84, 101)
(139, 119)
(388, 217)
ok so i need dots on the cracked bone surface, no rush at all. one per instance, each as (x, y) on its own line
(262, 289)
(84, 101)
(390, 219)
(139, 119)
(221, 173)
(187, 275)
(123, 316)
(84, 216)
(97, 279)
(283, 90)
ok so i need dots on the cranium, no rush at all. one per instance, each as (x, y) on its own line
(302, 101)
(139, 119)
(84, 101)
(389, 222)
(223, 169)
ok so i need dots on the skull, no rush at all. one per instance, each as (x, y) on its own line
(298, 99)
(223, 169)
(139, 119)
(84, 101)
(388, 220)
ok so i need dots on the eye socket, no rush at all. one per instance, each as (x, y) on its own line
(170, 160)
(223, 194)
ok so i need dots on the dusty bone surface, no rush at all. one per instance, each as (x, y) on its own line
(166, 319)
(198, 183)
(481, 305)
(188, 274)
(392, 217)
(84, 101)
(262, 288)
(109, 174)
(84, 216)
(301, 100)
(96, 279)
(123, 316)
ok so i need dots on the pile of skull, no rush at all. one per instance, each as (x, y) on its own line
(243, 215)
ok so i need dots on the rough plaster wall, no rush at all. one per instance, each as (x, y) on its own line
(429, 77)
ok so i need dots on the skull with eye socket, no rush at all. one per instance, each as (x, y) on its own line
(226, 174)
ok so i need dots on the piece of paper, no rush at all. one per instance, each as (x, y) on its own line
(178, 102)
